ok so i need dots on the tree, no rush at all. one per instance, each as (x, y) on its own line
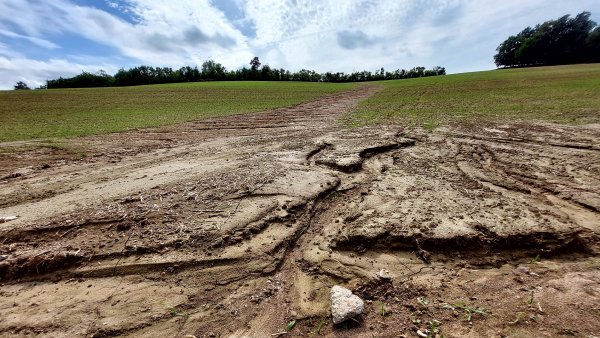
(212, 70)
(254, 64)
(593, 45)
(565, 40)
(20, 85)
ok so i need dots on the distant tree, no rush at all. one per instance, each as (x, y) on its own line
(83, 80)
(593, 45)
(267, 74)
(254, 69)
(565, 40)
(20, 85)
(212, 71)
(254, 64)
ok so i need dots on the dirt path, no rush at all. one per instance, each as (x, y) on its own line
(233, 227)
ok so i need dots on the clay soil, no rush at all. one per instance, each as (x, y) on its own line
(237, 226)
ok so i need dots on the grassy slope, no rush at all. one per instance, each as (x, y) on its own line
(78, 112)
(562, 94)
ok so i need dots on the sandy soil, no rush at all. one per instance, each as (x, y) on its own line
(234, 227)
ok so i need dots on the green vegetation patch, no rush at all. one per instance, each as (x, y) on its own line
(561, 94)
(63, 113)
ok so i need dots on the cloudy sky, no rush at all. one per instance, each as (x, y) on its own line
(43, 39)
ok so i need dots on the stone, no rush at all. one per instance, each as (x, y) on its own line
(422, 334)
(384, 274)
(8, 218)
(344, 304)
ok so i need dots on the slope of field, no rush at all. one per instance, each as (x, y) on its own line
(237, 226)
(79, 112)
(561, 94)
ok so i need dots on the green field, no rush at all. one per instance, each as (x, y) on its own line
(561, 94)
(61, 113)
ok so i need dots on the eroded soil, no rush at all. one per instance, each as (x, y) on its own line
(233, 227)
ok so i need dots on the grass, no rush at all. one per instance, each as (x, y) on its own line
(434, 330)
(175, 311)
(65, 113)
(290, 325)
(320, 326)
(560, 94)
(469, 310)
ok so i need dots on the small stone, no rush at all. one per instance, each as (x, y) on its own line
(7, 218)
(384, 274)
(3, 257)
(424, 255)
(344, 304)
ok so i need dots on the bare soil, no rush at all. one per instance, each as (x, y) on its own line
(234, 227)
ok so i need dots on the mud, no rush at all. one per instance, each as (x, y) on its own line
(233, 227)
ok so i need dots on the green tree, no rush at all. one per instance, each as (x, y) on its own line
(593, 45)
(562, 41)
(20, 85)
(211, 70)
(255, 64)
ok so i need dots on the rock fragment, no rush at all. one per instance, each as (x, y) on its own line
(7, 218)
(384, 274)
(344, 304)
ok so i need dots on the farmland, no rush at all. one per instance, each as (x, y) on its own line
(564, 94)
(467, 204)
(79, 112)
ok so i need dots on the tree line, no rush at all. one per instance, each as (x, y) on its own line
(566, 40)
(213, 71)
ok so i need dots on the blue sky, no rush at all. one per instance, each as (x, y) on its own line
(43, 39)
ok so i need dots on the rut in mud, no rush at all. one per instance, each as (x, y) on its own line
(238, 225)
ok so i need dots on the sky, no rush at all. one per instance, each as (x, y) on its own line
(45, 39)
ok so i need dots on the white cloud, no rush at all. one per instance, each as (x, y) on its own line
(325, 35)
(37, 41)
(34, 72)
(459, 34)
(390, 31)
(167, 31)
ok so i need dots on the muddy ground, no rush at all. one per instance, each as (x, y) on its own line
(236, 226)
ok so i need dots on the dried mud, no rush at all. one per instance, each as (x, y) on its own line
(233, 227)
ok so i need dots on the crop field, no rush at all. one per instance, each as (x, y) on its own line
(61, 113)
(465, 205)
(562, 94)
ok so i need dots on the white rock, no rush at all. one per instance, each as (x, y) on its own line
(384, 274)
(344, 305)
(8, 218)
